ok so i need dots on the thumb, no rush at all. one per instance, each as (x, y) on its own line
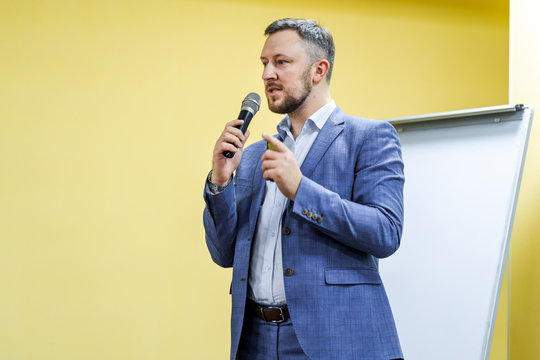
(273, 143)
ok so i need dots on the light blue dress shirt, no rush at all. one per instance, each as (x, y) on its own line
(266, 266)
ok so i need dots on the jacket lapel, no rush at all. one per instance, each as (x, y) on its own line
(331, 129)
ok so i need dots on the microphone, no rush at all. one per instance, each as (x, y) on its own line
(250, 106)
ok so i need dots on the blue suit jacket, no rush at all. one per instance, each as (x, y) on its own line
(347, 213)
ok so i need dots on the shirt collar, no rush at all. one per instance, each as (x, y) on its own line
(318, 118)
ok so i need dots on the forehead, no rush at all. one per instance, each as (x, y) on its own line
(285, 42)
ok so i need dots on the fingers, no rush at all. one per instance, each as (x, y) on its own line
(276, 144)
(285, 155)
(270, 170)
(268, 164)
(283, 170)
(231, 128)
(275, 164)
(279, 164)
(231, 138)
(230, 142)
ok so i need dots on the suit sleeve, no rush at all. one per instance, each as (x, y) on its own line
(220, 223)
(371, 221)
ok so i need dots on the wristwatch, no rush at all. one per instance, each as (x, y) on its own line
(214, 187)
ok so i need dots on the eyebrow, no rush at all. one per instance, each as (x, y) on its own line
(274, 56)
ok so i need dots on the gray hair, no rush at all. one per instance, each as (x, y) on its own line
(318, 40)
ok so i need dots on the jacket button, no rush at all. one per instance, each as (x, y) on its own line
(304, 211)
(285, 230)
(319, 219)
(289, 272)
(309, 214)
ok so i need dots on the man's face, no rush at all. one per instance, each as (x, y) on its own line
(287, 73)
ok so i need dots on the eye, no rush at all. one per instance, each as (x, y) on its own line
(282, 62)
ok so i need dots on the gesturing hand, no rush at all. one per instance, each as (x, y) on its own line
(280, 166)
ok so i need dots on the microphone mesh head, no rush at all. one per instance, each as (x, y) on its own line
(251, 102)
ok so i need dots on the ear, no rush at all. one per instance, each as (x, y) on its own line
(320, 69)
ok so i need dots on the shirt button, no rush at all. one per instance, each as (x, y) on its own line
(289, 272)
(285, 230)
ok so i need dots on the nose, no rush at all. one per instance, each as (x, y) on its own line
(269, 73)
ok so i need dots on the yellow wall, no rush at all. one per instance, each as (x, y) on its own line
(108, 114)
(525, 251)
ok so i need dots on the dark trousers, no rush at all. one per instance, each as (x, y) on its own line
(262, 340)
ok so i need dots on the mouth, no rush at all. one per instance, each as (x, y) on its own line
(273, 90)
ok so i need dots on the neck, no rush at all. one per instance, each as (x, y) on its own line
(314, 102)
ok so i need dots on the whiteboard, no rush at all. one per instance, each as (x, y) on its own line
(462, 176)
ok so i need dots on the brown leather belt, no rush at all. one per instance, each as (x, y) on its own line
(275, 314)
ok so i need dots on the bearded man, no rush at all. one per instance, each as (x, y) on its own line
(307, 214)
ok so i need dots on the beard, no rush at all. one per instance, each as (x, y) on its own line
(291, 103)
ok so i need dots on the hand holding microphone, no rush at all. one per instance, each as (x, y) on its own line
(250, 106)
(232, 140)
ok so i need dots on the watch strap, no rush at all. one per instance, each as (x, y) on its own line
(215, 187)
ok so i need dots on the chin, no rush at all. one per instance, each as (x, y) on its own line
(275, 107)
(277, 110)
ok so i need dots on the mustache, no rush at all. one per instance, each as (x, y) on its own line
(271, 84)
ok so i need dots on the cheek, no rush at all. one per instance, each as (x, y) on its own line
(294, 83)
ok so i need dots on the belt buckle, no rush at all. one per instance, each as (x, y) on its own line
(280, 313)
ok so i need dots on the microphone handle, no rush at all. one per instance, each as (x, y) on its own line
(246, 116)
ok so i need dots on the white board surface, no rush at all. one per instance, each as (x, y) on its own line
(462, 175)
